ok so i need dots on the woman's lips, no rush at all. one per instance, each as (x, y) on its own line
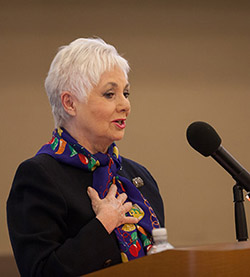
(120, 123)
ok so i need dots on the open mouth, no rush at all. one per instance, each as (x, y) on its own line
(120, 123)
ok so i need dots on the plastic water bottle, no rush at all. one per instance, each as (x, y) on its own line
(160, 241)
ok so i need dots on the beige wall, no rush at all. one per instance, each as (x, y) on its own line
(189, 62)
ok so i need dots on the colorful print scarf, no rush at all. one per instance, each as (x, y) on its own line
(134, 239)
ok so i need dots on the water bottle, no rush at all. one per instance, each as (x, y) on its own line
(160, 241)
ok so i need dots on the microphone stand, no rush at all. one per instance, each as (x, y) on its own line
(240, 216)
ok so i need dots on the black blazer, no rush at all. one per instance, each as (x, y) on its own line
(52, 227)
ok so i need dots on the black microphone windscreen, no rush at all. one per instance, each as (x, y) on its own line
(203, 138)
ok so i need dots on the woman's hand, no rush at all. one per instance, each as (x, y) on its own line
(111, 210)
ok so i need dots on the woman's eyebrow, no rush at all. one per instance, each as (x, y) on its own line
(127, 85)
(115, 85)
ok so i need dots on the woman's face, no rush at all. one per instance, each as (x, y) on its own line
(101, 120)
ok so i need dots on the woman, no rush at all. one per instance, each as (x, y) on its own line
(78, 206)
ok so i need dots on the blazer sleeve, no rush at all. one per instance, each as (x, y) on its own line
(36, 214)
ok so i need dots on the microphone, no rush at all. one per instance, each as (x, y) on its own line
(204, 139)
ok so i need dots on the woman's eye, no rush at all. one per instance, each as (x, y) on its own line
(109, 95)
(126, 94)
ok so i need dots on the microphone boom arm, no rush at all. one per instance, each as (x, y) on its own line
(227, 161)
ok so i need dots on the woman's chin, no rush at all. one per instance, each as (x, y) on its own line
(119, 137)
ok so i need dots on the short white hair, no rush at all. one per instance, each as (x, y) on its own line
(77, 67)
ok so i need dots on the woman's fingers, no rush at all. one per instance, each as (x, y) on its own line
(112, 191)
(122, 197)
(93, 195)
(111, 211)
(127, 206)
(130, 220)
(112, 194)
(92, 192)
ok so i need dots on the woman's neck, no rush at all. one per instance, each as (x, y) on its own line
(87, 143)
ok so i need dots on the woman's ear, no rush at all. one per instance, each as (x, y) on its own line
(68, 102)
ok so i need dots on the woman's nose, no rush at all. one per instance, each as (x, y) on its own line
(123, 104)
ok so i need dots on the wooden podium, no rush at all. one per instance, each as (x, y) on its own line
(231, 259)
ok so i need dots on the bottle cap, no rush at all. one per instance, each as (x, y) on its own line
(159, 232)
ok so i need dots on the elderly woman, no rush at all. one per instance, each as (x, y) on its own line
(77, 205)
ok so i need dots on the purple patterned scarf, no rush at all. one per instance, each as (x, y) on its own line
(134, 239)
